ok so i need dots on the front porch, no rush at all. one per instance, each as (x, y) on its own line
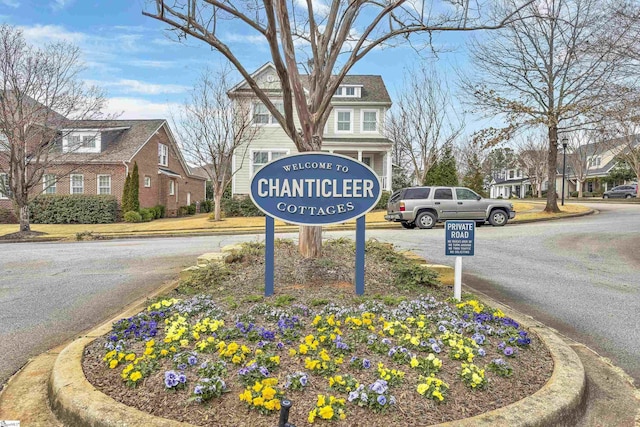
(379, 161)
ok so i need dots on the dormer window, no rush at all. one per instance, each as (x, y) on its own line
(86, 141)
(594, 162)
(349, 91)
(163, 155)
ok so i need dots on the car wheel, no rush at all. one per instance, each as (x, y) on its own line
(408, 225)
(628, 196)
(426, 220)
(498, 218)
(606, 196)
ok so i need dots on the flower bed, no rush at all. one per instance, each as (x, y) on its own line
(412, 361)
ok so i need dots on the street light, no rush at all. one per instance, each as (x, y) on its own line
(565, 142)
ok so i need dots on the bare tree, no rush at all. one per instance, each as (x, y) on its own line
(532, 158)
(41, 95)
(212, 127)
(424, 120)
(326, 38)
(556, 69)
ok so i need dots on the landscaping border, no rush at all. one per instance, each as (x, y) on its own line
(559, 402)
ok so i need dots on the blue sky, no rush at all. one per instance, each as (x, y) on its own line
(145, 73)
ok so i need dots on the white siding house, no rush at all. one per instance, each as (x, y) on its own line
(354, 128)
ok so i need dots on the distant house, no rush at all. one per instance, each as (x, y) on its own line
(354, 128)
(509, 183)
(102, 153)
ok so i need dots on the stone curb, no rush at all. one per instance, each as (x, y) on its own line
(559, 402)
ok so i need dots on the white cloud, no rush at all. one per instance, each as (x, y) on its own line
(60, 4)
(11, 3)
(245, 38)
(138, 108)
(320, 8)
(152, 64)
(40, 34)
(136, 86)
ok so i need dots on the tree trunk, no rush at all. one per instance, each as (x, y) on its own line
(24, 218)
(217, 205)
(539, 190)
(310, 241)
(579, 183)
(552, 160)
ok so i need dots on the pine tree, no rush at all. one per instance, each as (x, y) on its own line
(433, 175)
(126, 207)
(134, 189)
(448, 170)
(474, 179)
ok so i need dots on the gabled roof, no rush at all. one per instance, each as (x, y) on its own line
(373, 87)
(117, 145)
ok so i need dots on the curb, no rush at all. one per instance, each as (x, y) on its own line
(559, 402)
(280, 229)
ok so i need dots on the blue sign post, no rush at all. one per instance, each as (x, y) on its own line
(459, 242)
(315, 189)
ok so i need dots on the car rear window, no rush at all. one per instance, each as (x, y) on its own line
(417, 193)
(395, 196)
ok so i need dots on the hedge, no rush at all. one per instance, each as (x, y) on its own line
(73, 209)
(240, 206)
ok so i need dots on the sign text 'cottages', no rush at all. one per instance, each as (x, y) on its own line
(315, 189)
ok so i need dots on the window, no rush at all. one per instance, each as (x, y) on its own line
(77, 184)
(367, 161)
(261, 158)
(417, 193)
(49, 183)
(163, 155)
(104, 184)
(443, 194)
(147, 181)
(82, 141)
(88, 142)
(343, 121)
(465, 194)
(348, 91)
(262, 116)
(511, 174)
(594, 162)
(5, 191)
(172, 188)
(369, 121)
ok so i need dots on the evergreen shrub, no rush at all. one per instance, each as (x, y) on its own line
(132, 216)
(73, 209)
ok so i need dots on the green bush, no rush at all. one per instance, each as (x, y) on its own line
(132, 216)
(240, 206)
(7, 216)
(206, 206)
(147, 214)
(187, 210)
(573, 194)
(384, 199)
(73, 209)
(158, 211)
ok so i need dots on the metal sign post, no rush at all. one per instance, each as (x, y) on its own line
(316, 189)
(459, 242)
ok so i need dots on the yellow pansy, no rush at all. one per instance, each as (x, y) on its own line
(113, 364)
(326, 412)
(135, 376)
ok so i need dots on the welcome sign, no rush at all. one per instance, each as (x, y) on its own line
(315, 189)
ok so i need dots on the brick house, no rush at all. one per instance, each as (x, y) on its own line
(100, 154)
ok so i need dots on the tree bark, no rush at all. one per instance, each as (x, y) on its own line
(310, 241)
(217, 202)
(552, 196)
(24, 218)
(579, 183)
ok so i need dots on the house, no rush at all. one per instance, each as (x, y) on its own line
(354, 128)
(509, 183)
(589, 166)
(96, 156)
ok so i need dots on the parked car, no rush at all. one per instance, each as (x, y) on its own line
(425, 206)
(622, 191)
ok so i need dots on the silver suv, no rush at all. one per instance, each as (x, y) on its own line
(425, 206)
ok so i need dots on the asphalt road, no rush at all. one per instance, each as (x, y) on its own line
(578, 275)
